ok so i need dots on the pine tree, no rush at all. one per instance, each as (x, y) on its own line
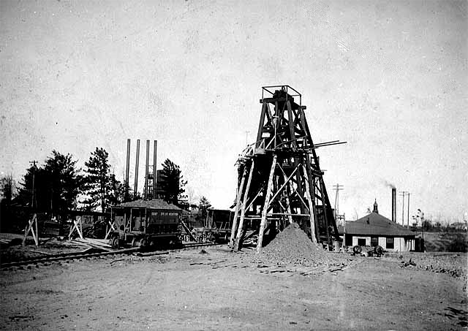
(100, 185)
(172, 182)
(203, 206)
(64, 181)
(53, 187)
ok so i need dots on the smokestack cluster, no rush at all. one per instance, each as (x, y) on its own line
(147, 188)
(394, 204)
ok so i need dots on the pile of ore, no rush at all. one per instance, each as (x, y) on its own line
(292, 246)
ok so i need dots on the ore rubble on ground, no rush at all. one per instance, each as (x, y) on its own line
(292, 246)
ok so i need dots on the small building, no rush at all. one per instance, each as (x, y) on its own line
(375, 229)
(460, 226)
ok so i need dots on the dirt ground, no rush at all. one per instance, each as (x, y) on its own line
(215, 289)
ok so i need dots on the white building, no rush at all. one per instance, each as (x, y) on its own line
(375, 229)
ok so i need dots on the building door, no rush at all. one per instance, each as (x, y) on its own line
(390, 243)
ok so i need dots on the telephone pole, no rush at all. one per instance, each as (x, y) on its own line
(337, 188)
(33, 192)
(408, 208)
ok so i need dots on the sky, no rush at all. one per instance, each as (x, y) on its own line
(387, 77)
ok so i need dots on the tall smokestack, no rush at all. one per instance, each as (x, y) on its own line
(155, 173)
(394, 204)
(127, 167)
(147, 168)
(135, 189)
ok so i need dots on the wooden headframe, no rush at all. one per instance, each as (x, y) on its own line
(280, 180)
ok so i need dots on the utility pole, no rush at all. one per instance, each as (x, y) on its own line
(33, 195)
(408, 208)
(403, 194)
(337, 188)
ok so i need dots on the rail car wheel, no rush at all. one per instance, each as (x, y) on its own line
(135, 242)
(115, 242)
(143, 243)
(378, 250)
(357, 249)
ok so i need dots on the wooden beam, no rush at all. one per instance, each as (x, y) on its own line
(186, 228)
(291, 126)
(236, 212)
(325, 205)
(261, 125)
(287, 200)
(77, 226)
(33, 228)
(266, 205)
(284, 184)
(244, 203)
(311, 206)
(287, 214)
(312, 191)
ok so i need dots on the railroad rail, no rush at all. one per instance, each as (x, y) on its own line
(91, 253)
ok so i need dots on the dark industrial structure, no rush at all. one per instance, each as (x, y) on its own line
(146, 223)
(150, 170)
(280, 179)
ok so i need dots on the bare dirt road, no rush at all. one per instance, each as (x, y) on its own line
(219, 290)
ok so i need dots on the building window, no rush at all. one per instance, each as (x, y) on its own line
(390, 243)
(374, 241)
(361, 242)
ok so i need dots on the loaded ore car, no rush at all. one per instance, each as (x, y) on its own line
(147, 224)
(219, 221)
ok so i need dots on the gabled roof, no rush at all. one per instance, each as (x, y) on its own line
(150, 204)
(376, 225)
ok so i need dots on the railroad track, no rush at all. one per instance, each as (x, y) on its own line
(92, 253)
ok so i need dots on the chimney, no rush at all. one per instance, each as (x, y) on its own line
(393, 204)
(127, 169)
(137, 160)
(155, 172)
(147, 169)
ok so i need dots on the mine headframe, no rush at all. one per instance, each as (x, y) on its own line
(280, 180)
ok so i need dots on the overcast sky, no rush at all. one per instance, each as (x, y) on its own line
(388, 77)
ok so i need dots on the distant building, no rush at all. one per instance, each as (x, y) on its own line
(375, 229)
(460, 226)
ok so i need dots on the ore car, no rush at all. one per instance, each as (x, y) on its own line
(146, 223)
(219, 222)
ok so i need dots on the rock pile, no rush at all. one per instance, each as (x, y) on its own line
(292, 246)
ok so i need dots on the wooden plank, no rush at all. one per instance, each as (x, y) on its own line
(311, 206)
(266, 204)
(236, 212)
(244, 203)
(33, 228)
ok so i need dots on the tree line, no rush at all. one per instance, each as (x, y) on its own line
(59, 185)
